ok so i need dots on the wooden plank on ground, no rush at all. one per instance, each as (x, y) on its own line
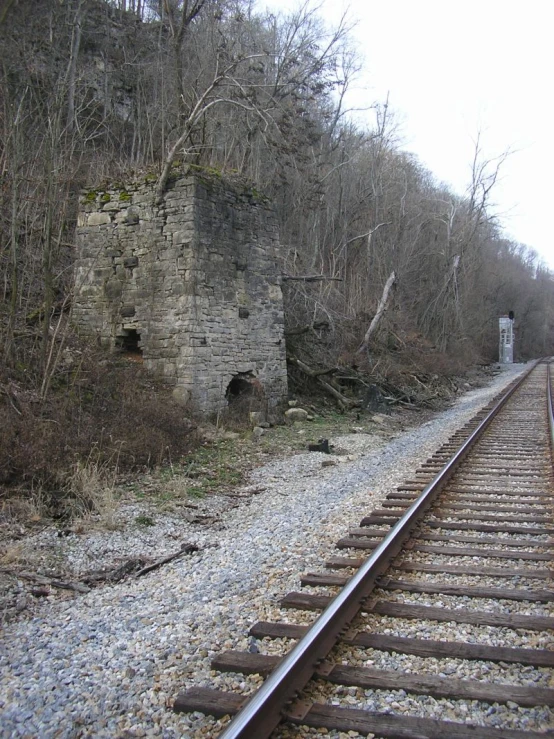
(305, 601)
(461, 526)
(501, 445)
(356, 542)
(221, 703)
(514, 469)
(468, 478)
(499, 519)
(315, 579)
(369, 533)
(417, 647)
(478, 571)
(216, 703)
(483, 498)
(478, 489)
(392, 726)
(495, 471)
(530, 458)
(337, 563)
(512, 508)
(277, 630)
(458, 650)
(369, 678)
(497, 466)
(462, 615)
(519, 484)
(439, 687)
(533, 543)
(489, 553)
(413, 586)
(379, 520)
(247, 663)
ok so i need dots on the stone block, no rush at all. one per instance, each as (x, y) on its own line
(98, 219)
(182, 395)
(112, 205)
(113, 289)
(131, 219)
(198, 341)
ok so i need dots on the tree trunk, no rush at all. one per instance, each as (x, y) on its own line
(72, 68)
(381, 308)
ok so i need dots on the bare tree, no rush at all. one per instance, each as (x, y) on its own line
(381, 308)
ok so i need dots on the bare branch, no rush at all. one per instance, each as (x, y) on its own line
(311, 278)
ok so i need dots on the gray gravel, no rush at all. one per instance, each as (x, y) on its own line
(107, 664)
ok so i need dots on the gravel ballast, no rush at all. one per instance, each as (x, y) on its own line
(109, 663)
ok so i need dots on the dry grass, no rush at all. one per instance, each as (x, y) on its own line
(13, 554)
(31, 507)
(91, 491)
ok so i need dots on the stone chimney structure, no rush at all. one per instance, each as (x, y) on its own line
(191, 286)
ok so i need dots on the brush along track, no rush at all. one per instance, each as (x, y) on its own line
(452, 574)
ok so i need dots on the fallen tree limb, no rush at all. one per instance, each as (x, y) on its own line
(307, 370)
(114, 575)
(318, 325)
(77, 587)
(344, 402)
(310, 278)
(297, 331)
(185, 549)
(52, 582)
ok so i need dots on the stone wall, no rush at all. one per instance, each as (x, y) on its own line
(192, 286)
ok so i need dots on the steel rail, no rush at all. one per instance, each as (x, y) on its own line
(263, 712)
(550, 409)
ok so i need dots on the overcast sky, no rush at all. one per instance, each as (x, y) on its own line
(455, 69)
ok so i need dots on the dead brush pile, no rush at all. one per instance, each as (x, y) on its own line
(103, 415)
(401, 366)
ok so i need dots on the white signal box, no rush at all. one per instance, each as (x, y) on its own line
(506, 346)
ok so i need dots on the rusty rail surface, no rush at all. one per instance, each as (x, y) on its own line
(550, 405)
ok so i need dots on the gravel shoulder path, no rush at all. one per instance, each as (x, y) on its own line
(109, 663)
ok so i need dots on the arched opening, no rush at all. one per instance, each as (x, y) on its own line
(244, 395)
(239, 387)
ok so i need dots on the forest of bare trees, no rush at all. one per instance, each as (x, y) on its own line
(383, 265)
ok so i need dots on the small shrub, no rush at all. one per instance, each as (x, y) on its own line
(143, 520)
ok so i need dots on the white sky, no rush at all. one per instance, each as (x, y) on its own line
(454, 69)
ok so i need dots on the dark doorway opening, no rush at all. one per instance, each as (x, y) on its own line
(244, 395)
(239, 387)
(128, 342)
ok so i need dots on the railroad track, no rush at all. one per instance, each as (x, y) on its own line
(452, 571)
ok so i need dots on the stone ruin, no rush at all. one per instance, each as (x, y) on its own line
(191, 287)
